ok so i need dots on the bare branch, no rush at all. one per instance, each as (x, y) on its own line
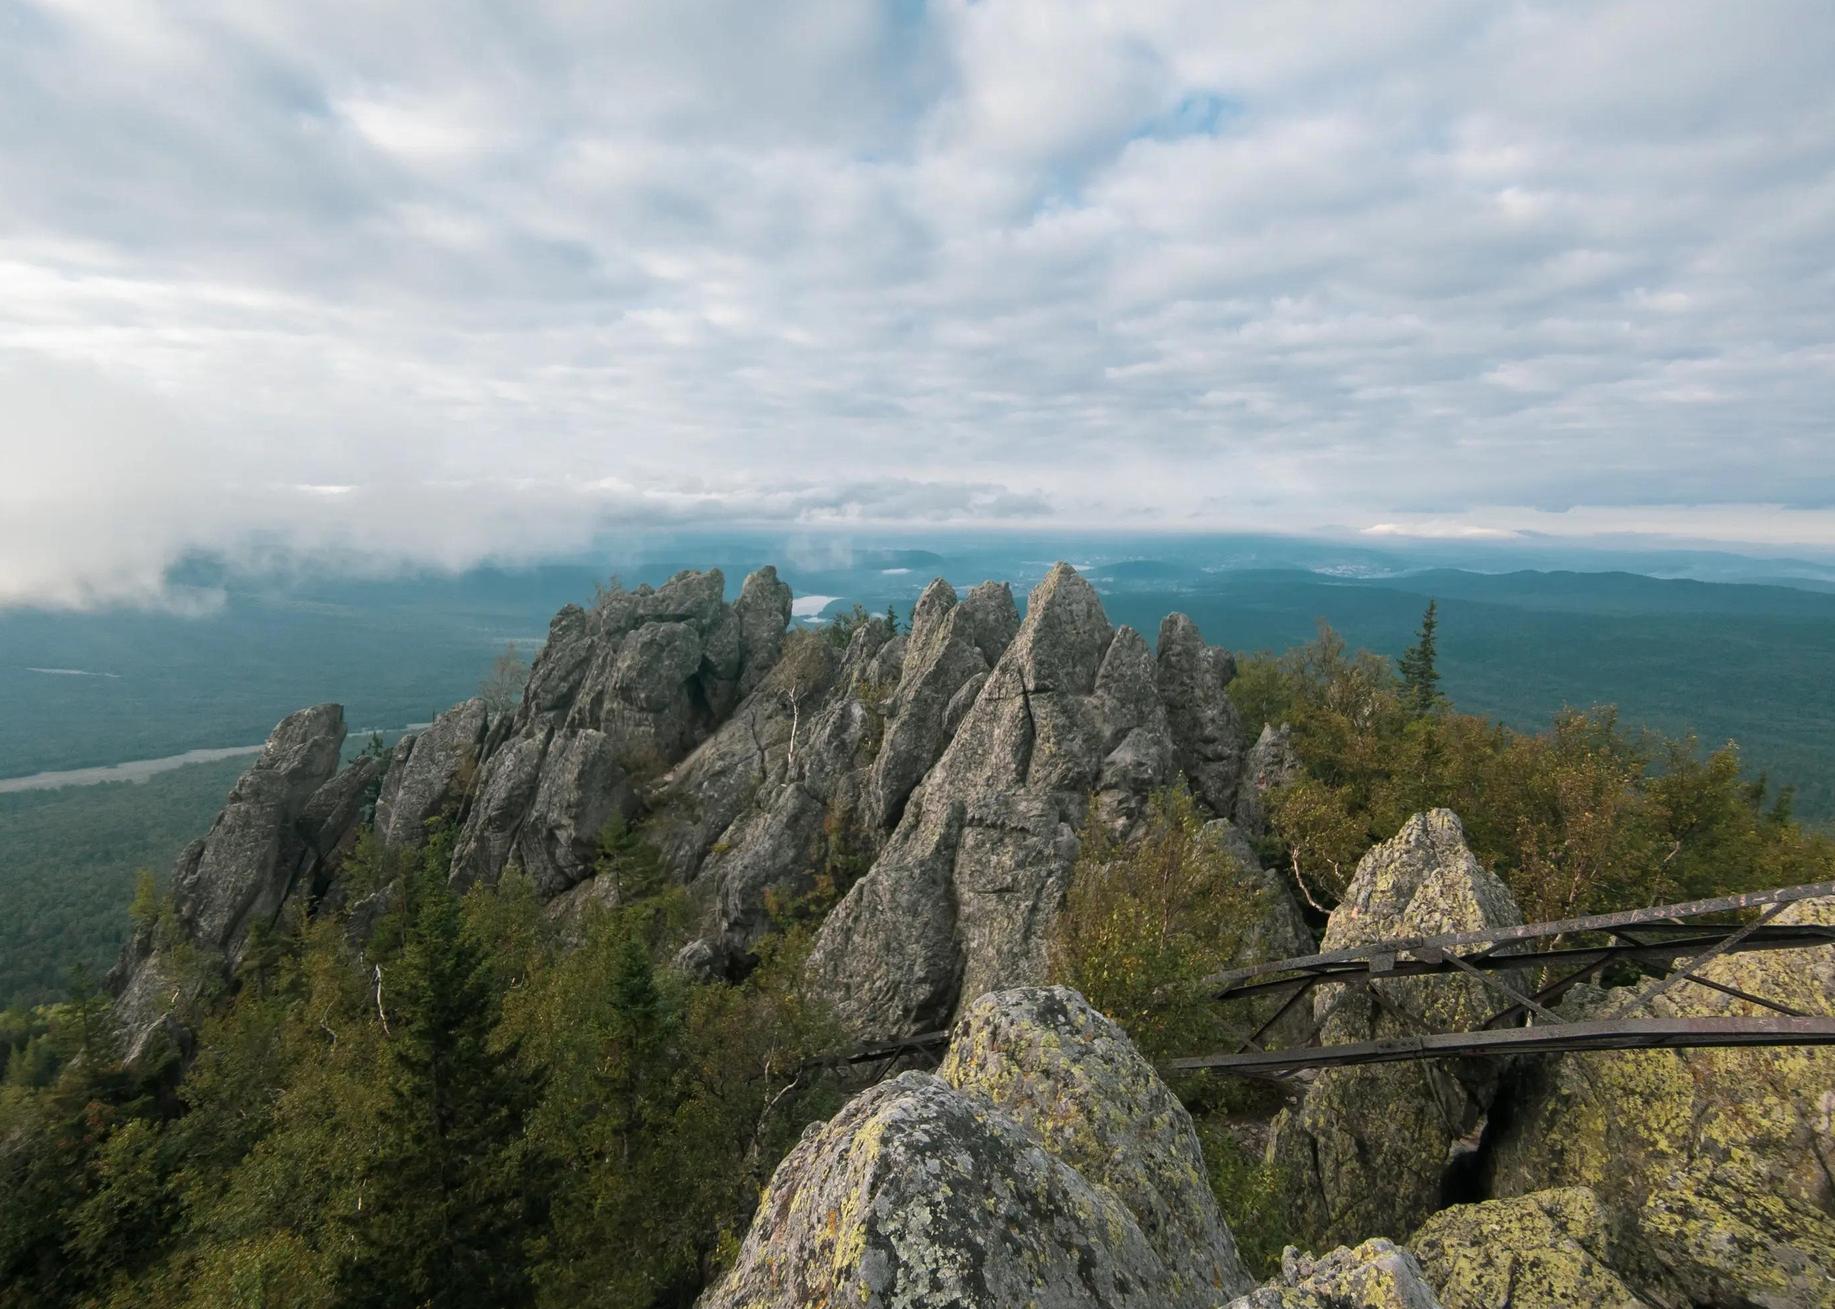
(380, 1012)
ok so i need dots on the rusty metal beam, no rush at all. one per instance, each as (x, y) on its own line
(1343, 966)
(1553, 1038)
(1649, 919)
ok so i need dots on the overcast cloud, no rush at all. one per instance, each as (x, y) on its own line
(434, 282)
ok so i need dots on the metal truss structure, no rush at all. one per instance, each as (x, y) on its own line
(1670, 942)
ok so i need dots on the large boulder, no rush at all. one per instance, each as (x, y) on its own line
(987, 841)
(1715, 1163)
(1549, 1250)
(984, 1187)
(1375, 1275)
(1071, 1077)
(1370, 1144)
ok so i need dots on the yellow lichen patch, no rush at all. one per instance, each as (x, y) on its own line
(1542, 1251)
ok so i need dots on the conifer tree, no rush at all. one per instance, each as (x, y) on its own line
(443, 1216)
(1420, 678)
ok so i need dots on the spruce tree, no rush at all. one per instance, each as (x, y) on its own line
(1420, 678)
(443, 1216)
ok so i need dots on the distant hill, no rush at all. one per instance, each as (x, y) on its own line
(1727, 660)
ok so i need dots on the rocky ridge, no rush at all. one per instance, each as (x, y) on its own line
(937, 782)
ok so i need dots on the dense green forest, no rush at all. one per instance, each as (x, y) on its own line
(67, 863)
(480, 1105)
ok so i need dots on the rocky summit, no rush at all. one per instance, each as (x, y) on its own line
(923, 797)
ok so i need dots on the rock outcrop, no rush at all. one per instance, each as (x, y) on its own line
(1206, 731)
(1272, 763)
(616, 697)
(961, 899)
(1375, 1275)
(1716, 1164)
(1045, 1165)
(803, 783)
(428, 774)
(282, 830)
(1370, 1144)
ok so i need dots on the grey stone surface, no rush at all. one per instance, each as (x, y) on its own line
(1271, 764)
(1071, 1077)
(616, 699)
(286, 818)
(984, 847)
(1206, 732)
(427, 774)
(1370, 1143)
(923, 1194)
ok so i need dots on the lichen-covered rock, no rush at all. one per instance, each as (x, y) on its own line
(1548, 1250)
(1371, 1142)
(1720, 1235)
(1045, 1165)
(1375, 1275)
(1715, 1163)
(1073, 1078)
(918, 1196)
(428, 772)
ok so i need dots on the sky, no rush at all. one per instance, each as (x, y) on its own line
(411, 285)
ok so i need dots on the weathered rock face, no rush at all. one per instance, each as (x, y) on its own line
(983, 850)
(1206, 730)
(1548, 1250)
(1271, 764)
(1375, 1275)
(269, 831)
(971, 1189)
(1714, 1163)
(428, 772)
(285, 824)
(616, 697)
(1372, 1142)
(773, 800)
(1071, 1077)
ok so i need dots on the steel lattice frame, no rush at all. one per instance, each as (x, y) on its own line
(1670, 941)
